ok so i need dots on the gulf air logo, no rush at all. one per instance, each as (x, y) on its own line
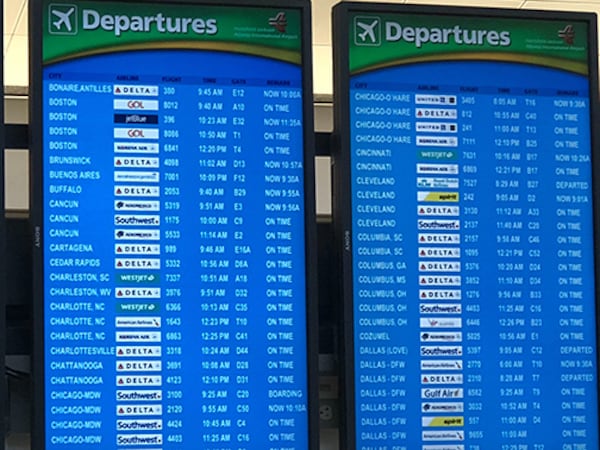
(62, 19)
(367, 31)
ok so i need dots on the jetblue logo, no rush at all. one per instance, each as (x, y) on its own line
(367, 31)
(62, 19)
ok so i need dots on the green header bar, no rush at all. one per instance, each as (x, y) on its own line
(72, 30)
(382, 40)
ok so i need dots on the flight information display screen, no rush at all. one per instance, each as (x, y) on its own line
(171, 205)
(467, 151)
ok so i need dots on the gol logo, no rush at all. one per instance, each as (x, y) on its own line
(135, 104)
(135, 133)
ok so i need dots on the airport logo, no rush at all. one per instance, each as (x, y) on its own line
(137, 90)
(139, 366)
(126, 147)
(440, 266)
(139, 395)
(138, 322)
(442, 379)
(439, 238)
(135, 105)
(440, 294)
(137, 292)
(146, 163)
(136, 351)
(436, 211)
(137, 235)
(139, 424)
(139, 410)
(367, 31)
(279, 22)
(136, 133)
(442, 393)
(441, 364)
(137, 263)
(450, 169)
(567, 34)
(139, 380)
(137, 191)
(62, 19)
(137, 205)
(136, 177)
(443, 436)
(441, 336)
(442, 407)
(437, 141)
(137, 249)
(437, 182)
(440, 308)
(436, 127)
(440, 322)
(138, 336)
(439, 252)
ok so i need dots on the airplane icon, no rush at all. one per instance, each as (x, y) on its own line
(279, 22)
(368, 31)
(64, 19)
(567, 34)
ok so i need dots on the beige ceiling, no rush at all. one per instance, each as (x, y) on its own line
(15, 32)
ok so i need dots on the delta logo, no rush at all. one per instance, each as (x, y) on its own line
(139, 380)
(136, 90)
(146, 163)
(139, 410)
(137, 249)
(137, 191)
(137, 292)
(442, 266)
(139, 366)
(442, 379)
(137, 263)
(134, 351)
(440, 294)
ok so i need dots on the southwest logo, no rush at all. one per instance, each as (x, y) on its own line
(62, 19)
(367, 31)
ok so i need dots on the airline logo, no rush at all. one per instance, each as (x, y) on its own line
(137, 220)
(62, 19)
(440, 322)
(438, 224)
(441, 266)
(144, 292)
(440, 280)
(135, 105)
(438, 182)
(436, 127)
(440, 393)
(439, 238)
(138, 278)
(139, 380)
(437, 155)
(439, 252)
(440, 294)
(139, 410)
(137, 263)
(429, 99)
(139, 424)
(442, 407)
(137, 249)
(137, 191)
(136, 177)
(441, 421)
(440, 308)
(139, 439)
(443, 436)
(446, 169)
(135, 90)
(443, 447)
(441, 336)
(442, 379)
(135, 351)
(428, 196)
(436, 350)
(137, 205)
(146, 163)
(367, 31)
(137, 235)
(438, 210)
(137, 307)
(279, 22)
(139, 395)
(138, 322)
(138, 336)
(437, 141)
(136, 147)
(441, 364)
(136, 119)
(136, 133)
(436, 113)
(139, 366)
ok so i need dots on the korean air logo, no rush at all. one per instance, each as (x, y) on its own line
(367, 31)
(62, 19)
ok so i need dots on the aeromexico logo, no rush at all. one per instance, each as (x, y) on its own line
(64, 19)
(372, 31)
